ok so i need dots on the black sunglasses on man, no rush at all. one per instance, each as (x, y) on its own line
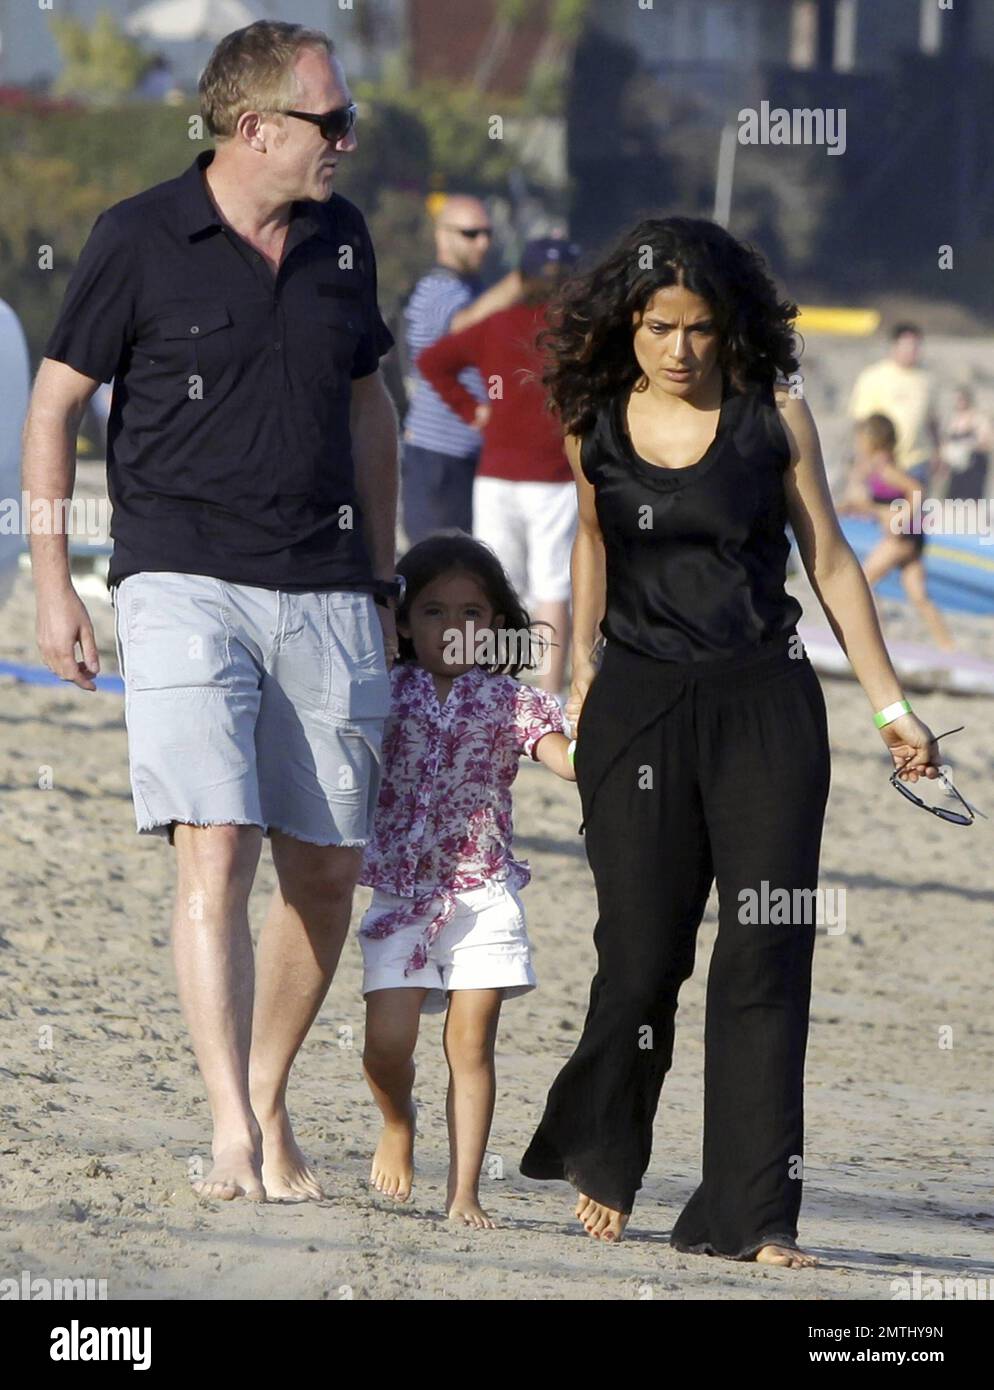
(334, 125)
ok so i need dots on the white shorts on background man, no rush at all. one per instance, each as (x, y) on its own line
(531, 527)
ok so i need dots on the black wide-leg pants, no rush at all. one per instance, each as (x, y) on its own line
(690, 773)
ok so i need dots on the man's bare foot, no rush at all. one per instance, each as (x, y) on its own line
(603, 1223)
(784, 1255)
(392, 1171)
(286, 1175)
(236, 1172)
(470, 1213)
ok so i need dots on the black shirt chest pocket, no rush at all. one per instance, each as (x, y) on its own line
(327, 335)
(196, 342)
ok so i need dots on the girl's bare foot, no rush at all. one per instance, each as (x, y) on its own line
(603, 1223)
(470, 1213)
(392, 1172)
(784, 1255)
(236, 1172)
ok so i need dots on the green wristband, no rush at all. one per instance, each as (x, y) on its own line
(571, 751)
(891, 712)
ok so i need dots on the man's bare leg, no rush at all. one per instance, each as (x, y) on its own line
(212, 950)
(299, 948)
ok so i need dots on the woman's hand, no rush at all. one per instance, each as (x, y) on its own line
(912, 742)
(580, 682)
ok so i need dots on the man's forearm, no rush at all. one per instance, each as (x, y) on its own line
(374, 442)
(48, 477)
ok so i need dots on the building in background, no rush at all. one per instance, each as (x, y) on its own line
(914, 80)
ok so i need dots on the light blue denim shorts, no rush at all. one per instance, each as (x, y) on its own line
(251, 706)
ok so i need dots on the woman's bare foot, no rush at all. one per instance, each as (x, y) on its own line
(470, 1213)
(236, 1172)
(392, 1172)
(286, 1175)
(784, 1255)
(603, 1223)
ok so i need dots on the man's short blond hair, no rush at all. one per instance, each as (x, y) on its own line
(251, 69)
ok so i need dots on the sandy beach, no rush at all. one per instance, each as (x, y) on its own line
(103, 1117)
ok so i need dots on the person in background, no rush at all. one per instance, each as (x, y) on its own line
(524, 498)
(966, 449)
(158, 82)
(900, 388)
(440, 451)
(881, 482)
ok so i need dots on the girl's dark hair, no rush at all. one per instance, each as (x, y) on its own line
(587, 347)
(444, 551)
(879, 431)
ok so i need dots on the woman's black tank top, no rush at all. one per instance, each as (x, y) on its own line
(696, 557)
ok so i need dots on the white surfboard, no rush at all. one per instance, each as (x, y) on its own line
(920, 667)
(15, 381)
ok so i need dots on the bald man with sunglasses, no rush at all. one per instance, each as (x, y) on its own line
(440, 451)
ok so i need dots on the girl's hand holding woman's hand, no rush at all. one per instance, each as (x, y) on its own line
(912, 742)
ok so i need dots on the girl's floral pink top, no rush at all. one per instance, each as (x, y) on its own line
(443, 819)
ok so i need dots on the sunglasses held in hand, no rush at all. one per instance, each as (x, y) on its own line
(953, 817)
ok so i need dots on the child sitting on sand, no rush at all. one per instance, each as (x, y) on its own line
(875, 484)
(446, 929)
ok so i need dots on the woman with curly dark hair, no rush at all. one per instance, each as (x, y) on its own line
(702, 748)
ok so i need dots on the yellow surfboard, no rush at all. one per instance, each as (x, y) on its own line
(850, 323)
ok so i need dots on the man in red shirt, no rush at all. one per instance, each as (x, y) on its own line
(524, 497)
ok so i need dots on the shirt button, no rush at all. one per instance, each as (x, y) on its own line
(277, 346)
(194, 329)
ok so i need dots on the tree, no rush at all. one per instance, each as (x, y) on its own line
(101, 64)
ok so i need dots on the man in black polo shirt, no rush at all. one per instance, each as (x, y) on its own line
(252, 469)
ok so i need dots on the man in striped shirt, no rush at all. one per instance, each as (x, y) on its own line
(440, 451)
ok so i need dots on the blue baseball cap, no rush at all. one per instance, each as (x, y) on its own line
(545, 255)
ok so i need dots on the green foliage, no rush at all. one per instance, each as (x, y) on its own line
(402, 236)
(456, 121)
(100, 63)
(511, 11)
(58, 172)
(568, 18)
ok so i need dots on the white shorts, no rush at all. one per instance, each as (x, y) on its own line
(531, 527)
(483, 946)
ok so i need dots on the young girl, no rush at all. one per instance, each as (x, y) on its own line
(445, 929)
(882, 483)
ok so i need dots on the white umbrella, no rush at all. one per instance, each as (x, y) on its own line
(178, 21)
